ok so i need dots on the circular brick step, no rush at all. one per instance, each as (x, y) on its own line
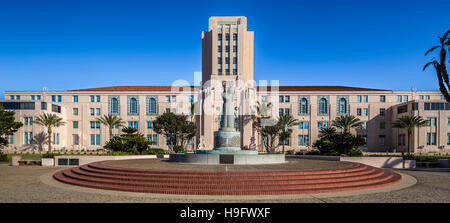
(101, 176)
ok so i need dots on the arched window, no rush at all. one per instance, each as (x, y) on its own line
(133, 105)
(323, 105)
(114, 105)
(304, 106)
(343, 106)
(152, 106)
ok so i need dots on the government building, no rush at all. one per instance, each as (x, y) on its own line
(227, 59)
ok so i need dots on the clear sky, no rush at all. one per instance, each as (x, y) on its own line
(67, 45)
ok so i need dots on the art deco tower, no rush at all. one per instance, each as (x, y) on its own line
(227, 56)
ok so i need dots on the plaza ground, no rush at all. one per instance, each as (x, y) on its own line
(35, 184)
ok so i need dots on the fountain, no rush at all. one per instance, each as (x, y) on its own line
(227, 143)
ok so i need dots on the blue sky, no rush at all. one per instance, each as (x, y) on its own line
(66, 45)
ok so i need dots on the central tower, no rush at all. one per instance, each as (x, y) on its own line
(227, 60)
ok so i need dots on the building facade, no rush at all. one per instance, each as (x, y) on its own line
(227, 58)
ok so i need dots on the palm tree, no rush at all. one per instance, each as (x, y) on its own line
(286, 122)
(439, 66)
(49, 120)
(327, 133)
(346, 122)
(111, 121)
(409, 123)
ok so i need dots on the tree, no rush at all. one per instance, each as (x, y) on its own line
(440, 66)
(49, 120)
(409, 123)
(346, 122)
(111, 121)
(286, 122)
(270, 133)
(333, 143)
(8, 125)
(175, 127)
(130, 141)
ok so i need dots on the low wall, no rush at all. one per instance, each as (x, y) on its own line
(90, 159)
(444, 163)
(380, 162)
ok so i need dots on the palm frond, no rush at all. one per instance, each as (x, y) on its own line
(431, 49)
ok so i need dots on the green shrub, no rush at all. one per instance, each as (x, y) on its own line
(119, 153)
(155, 151)
(355, 152)
(312, 152)
(178, 149)
(50, 155)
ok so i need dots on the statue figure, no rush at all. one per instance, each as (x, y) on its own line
(228, 109)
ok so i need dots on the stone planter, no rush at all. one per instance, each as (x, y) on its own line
(48, 162)
(15, 160)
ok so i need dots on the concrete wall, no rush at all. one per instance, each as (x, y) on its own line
(90, 159)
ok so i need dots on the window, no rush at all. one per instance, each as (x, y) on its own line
(98, 98)
(405, 98)
(167, 109)
(287, 111)
(381, 140)
(53, 98)
(399, 98)
(92, 98)
(303, 140)
(97, 111)
(382, 111)
(75, 98)
(219, 29)
(382, 125)
(59, 98)
(95, 139)
(56, 138)
(431, 121)
(401, 140)
(75, 111)
(358, 112)
(358, 98)
(448, 138)
(402, 109)
(420, 97)
(39, 97)
(75, 124)
(167, 98)
(427, 97)
(303, 125)
(174, 98)
(92, 111)
(152, 106)
(10, 139)
(304, 106)
(442, 97)
(286, 142)
(133, 106)
(364, 111)
(365, 98)
(280, 111)
(12, 97)
(382, 98)
(363, 125)
(114, 106)
(133, 124)
(75, 140)
(149, 124)
(433, 138)
(323, 106)
(32, 97)
(342, 106)
(322, 125)
(287, 99)
(281, 98)
(18, 97)
(153, 139)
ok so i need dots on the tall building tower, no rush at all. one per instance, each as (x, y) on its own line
(227, 58)
(227, 50)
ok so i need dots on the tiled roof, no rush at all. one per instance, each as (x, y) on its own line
(319, 88)
(268, 88)
(138, 88)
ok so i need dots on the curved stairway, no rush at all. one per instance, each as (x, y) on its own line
(101, 176)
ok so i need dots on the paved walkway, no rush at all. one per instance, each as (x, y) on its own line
(35, 184)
